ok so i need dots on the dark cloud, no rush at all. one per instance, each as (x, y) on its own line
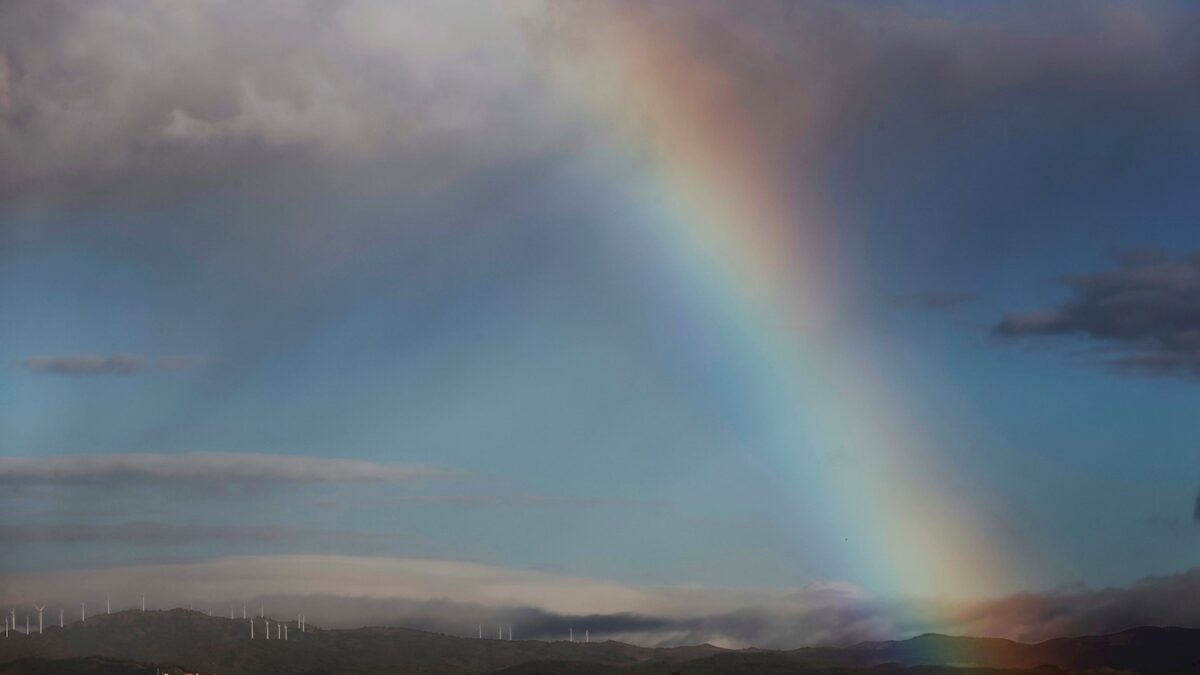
(278, 95)
(97, 364)
(202, 467)
(931, 301)
(1147, 312)
(85, 364)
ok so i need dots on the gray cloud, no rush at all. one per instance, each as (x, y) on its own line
(931, 301)
(163, 534)
(203, 467)
(271, 96)
(97, 364)
(1147, 311)
(278, 95)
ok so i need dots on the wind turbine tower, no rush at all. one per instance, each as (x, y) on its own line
(60, 617)
(143, 602)
(83, 611)
(251, 629)
(572, 634)
(268, 624)
(587, 637)
(39, 611)
(108, 603)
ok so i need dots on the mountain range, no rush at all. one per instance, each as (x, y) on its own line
(178, 641)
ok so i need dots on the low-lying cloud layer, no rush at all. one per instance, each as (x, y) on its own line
(203, 467)
(455, 597)
(1147, 312)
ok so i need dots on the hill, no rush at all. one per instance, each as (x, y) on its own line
(136, 642)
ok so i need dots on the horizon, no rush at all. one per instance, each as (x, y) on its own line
(754, 325)
(483, 634)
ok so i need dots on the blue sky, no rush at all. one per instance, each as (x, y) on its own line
(433, 267)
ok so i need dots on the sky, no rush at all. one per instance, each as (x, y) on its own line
(769, 324)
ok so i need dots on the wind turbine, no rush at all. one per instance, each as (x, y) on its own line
(480, 631)
(251, 629)
(108, 603)
(268, 623)
(572, 634)
(83, 611)
(60, 617)
(39, 611)
(587, 635)
(143, 602)
(285, 632)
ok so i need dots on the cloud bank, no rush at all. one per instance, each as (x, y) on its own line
(283, 95)
(270, 96)
(1147, 312)
(203, 467)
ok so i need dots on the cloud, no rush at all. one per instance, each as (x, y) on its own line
(282, 95)
(214, 467)
(76, 365)
(271, 96)
(163, 534)
(454, 597)
(1147, 312)
(85, 364)
(931, 301)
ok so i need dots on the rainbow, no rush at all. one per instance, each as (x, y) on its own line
(717, 210)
